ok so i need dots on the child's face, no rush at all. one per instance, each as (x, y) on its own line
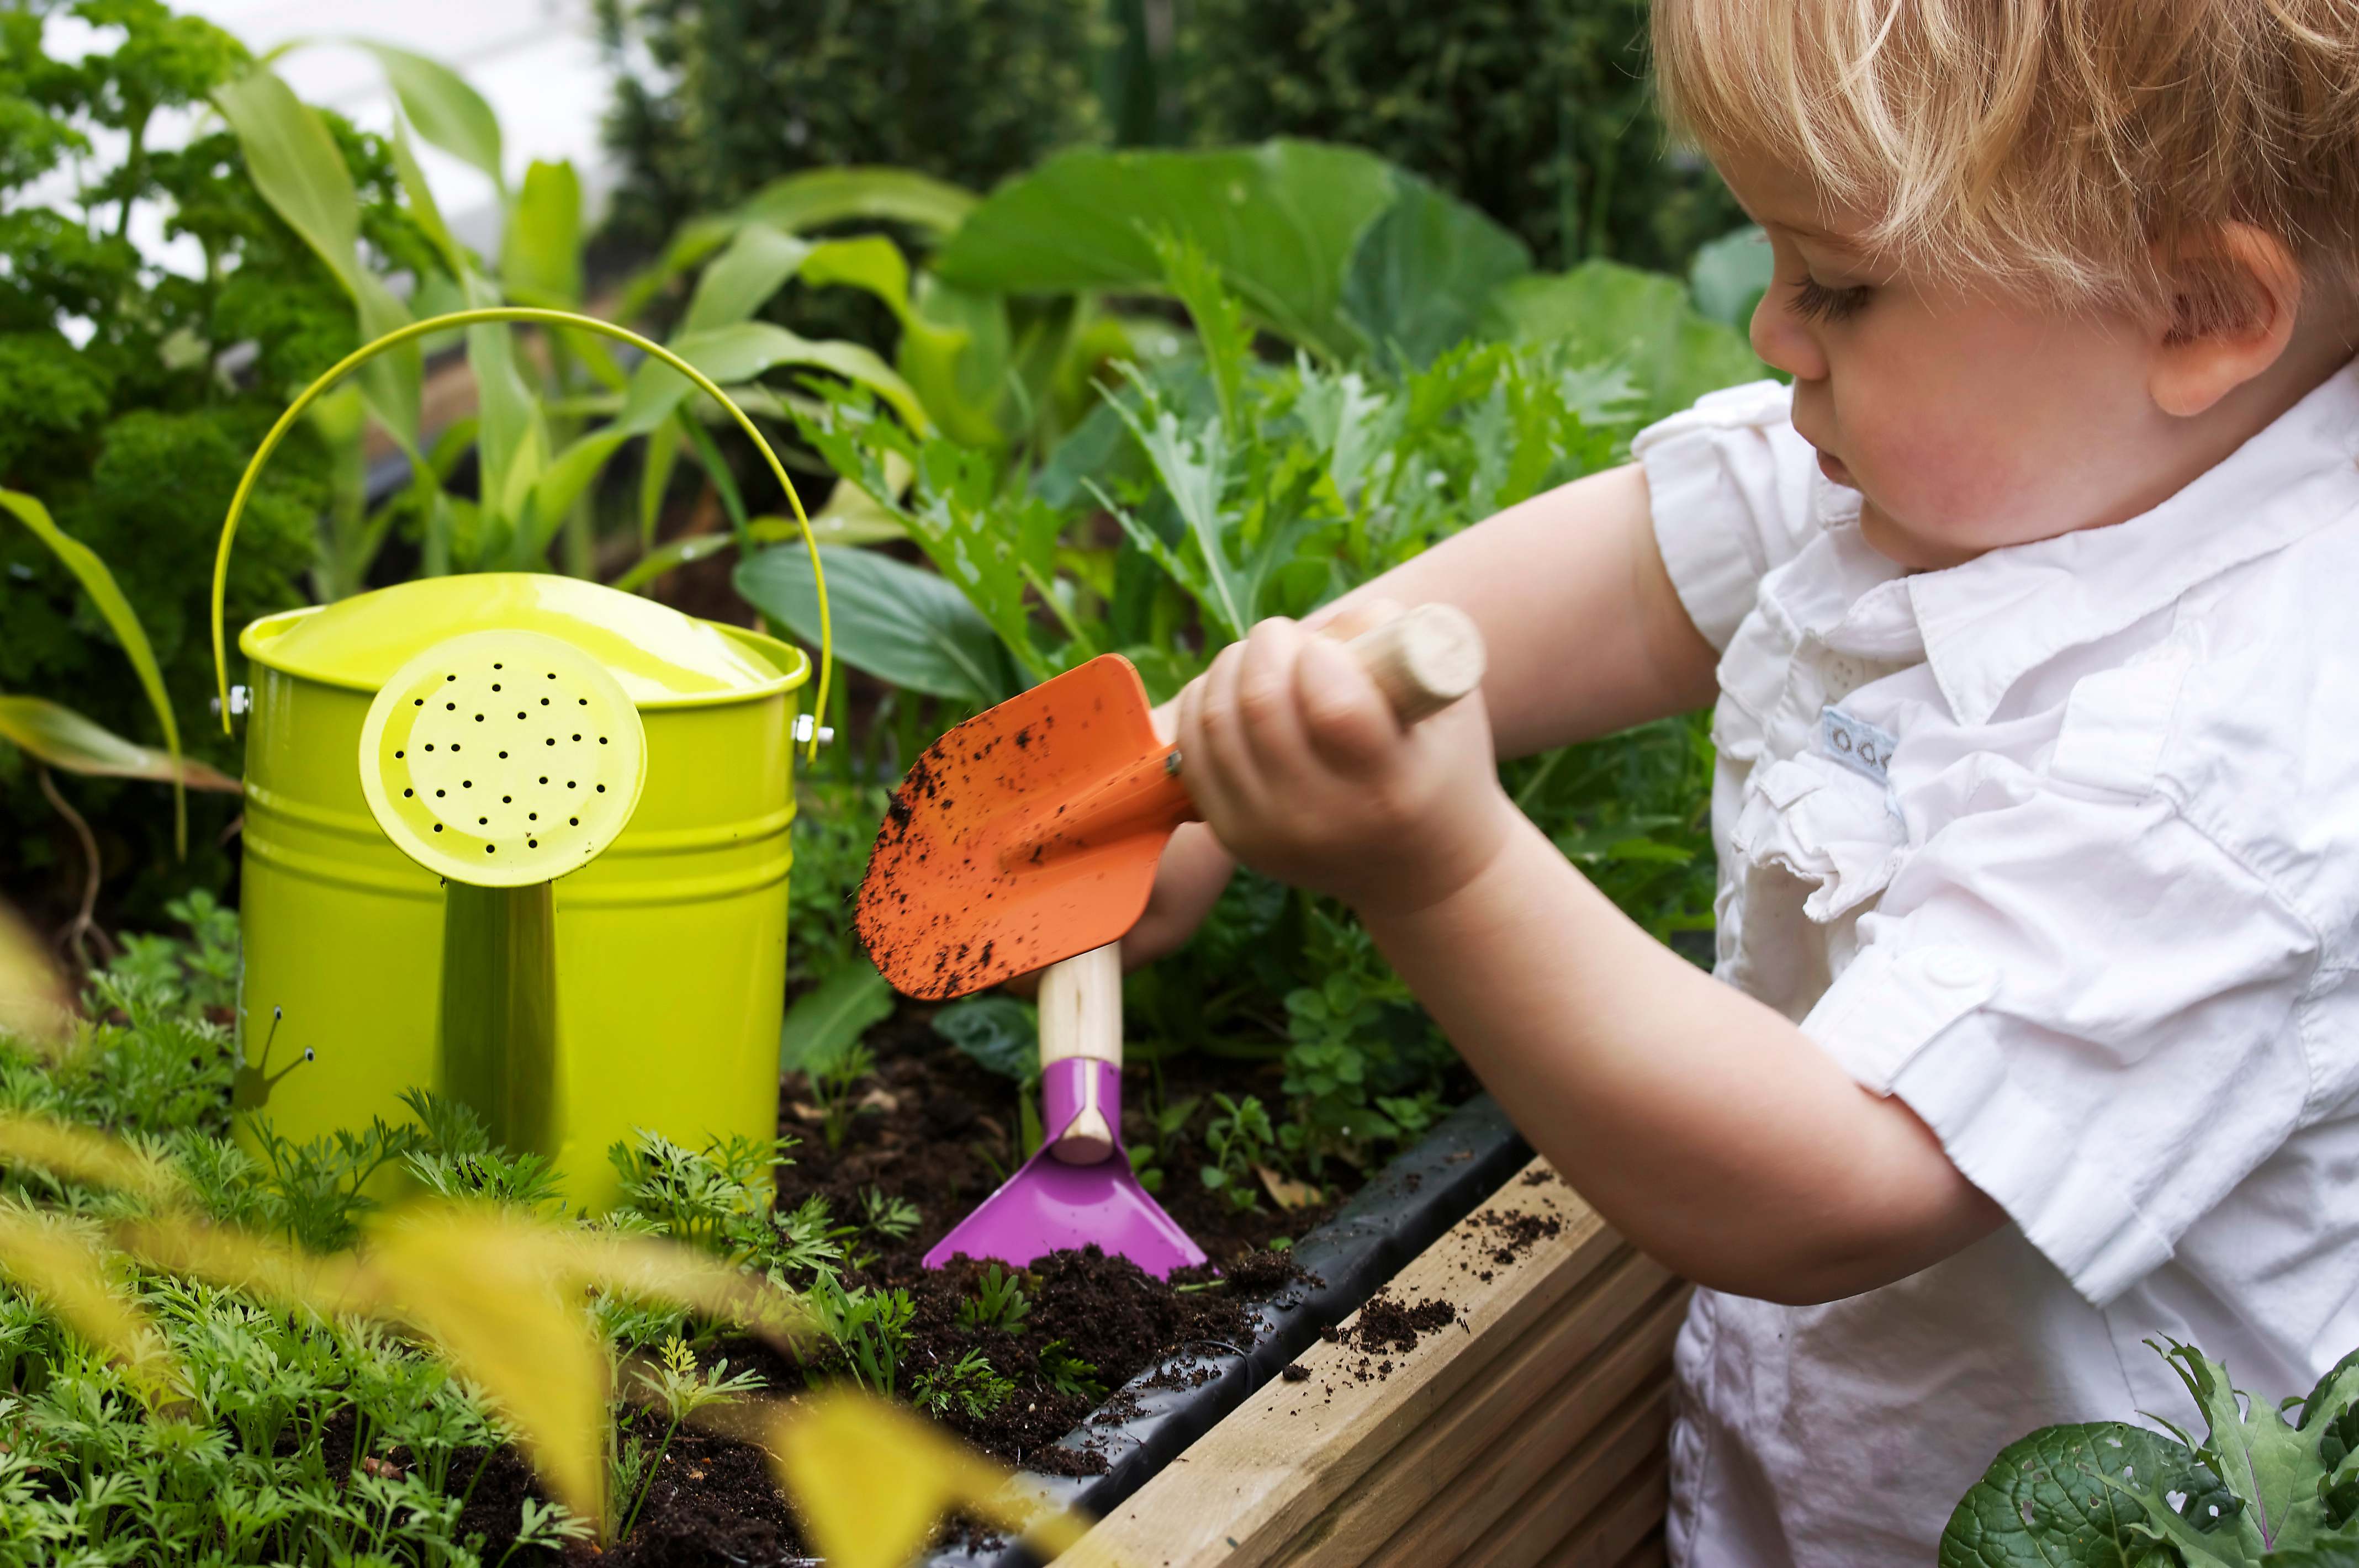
(1967, 419)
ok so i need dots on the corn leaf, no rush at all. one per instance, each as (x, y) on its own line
(813, 198)
(540, 259)
(99, 584)
(756, 265)
(446, 110)
(295, 164)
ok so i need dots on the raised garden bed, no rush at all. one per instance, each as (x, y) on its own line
(1505, 1403)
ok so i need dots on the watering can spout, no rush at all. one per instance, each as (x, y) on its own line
(502, 759)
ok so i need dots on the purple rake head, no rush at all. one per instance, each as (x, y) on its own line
(1048, 1204)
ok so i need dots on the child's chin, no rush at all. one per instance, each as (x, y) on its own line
(1905, 548)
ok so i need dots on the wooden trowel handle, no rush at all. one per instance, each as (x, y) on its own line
(1422, 660)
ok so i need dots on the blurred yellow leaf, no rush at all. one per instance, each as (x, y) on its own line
(34, 998)
(85, 1156)
(67, 1269)
(870, 1478)
(502, 1296)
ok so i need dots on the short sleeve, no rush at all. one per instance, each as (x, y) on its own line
(1731, 488)
(2097, 1010)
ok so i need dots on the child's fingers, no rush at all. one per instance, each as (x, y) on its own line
(1344, 719)
(1345, 622)
(1211, 746)
(1266, 697)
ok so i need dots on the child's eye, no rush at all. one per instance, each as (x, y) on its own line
(1814, 301)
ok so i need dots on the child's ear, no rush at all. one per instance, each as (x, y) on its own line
(2233, 312)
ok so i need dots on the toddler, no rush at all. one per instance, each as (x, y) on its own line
(2030, 609)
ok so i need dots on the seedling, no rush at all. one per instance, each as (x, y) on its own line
(1240, 1139)
(1069, 1374)
(1169, 1122)
(999, 1303)
(893, 1218)
(677, 1385)
(869, 1327)
(832, 1079)
(969, 1386)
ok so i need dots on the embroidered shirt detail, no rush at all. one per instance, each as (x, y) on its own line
(1857, 744)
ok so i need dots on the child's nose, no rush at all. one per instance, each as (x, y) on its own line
(1783, 343)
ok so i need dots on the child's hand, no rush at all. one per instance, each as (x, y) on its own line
(1297, 763)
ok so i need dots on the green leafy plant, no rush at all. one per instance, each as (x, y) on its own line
(2259, 1488)
(1168, 1118)
(969, 1386)
(868, 1328)
(1069, 1374)
(892, 1217)
(998, 1302)
(832, 1079)
(1240, 1139)
(675, 1385)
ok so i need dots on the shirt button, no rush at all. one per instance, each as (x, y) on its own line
(1950, 966)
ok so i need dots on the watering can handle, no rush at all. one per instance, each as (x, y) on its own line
(506, 313)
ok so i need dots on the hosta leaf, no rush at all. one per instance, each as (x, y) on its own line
(833, 1014)
(1603, 313)
(1424, 272)
(1730, 277)
(1281, 221)
(897, 623)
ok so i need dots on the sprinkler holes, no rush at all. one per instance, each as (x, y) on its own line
(544, 702)
(568, 784)
(450, 707)
(430, 745)
(397, 756)
(553, 740)
(506, 799)
(519, 715)
(489, 848)
(601, 740)
(437, 827)
(483, 822)
(407, 793)
(602, 789)
(479, 719)
(574, 822)
(466, 783)
(439, 794)
(532, 843)
(495, 685)
(577, 736)
(504, 756)
(419, 701)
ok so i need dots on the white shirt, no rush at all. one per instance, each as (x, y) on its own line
(2092, 918)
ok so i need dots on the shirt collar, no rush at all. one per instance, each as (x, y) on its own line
(1989, 622)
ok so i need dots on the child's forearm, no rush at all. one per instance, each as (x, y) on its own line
(1704, 1127)
(1586, 634)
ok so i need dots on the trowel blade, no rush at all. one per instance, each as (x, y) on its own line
(1026, 835)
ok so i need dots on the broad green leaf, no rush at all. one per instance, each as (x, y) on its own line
(872, 262)
(756, 265)
(666, 559)
(52, 733)
(2269, 1464)
(747, 350)
(1000, 1033)
(2043, 1503)
(811, 200)
(891, 620)
(446, 110)
(296, 166)
(1729, 276)
(1601, 313)
(955, 353)
(1281, 221)
(1423, 275)
(829, 1017)
(540, 258)
(821, 197)
(123, 621)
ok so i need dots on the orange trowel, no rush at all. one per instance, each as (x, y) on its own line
(1026, 838)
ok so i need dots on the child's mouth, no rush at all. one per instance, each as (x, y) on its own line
(1831, 466)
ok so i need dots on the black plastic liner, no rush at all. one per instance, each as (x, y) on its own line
(1408, 1207)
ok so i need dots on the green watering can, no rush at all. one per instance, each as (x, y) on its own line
(519, 839)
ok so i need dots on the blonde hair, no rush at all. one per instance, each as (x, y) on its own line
(2081, 149)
